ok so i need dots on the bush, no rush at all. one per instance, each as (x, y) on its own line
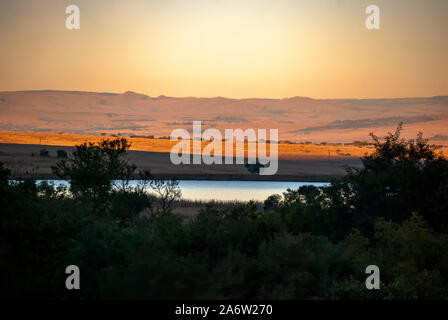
(92, 169)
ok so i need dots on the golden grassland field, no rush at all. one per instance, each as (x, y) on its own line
(286, 151)
(20, 152)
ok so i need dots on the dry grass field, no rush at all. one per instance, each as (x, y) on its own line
(297, 162)
(286, 151)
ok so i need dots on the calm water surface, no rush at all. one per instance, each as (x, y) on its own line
(229, 190)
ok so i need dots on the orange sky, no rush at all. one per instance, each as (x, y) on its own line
(232, 48)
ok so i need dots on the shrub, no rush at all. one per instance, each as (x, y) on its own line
(93, 167)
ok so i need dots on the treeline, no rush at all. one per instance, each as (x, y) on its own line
(310, 243)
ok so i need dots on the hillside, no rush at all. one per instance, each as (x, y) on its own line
(298, 119)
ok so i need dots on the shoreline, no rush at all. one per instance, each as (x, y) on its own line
(24, 161)
(186, 177)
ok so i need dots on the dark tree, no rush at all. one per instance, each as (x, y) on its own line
(254, 167)
(272, 202)
(92, 168)
(401, 177)
(167, 192)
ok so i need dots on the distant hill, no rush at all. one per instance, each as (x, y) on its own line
(297, 118)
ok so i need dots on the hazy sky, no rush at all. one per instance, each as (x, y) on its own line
(232, 48)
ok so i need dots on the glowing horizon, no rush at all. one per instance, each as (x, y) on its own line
(235, 49)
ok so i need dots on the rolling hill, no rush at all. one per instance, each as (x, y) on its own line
(298, 118)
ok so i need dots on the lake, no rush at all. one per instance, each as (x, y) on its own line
(229, 190)
(236, 190)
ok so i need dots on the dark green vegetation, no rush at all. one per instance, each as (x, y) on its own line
(310, 243)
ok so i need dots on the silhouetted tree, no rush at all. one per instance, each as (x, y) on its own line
(92, 168)
(398, 178)
(254, 167)
(167, 192)
(272, 202)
